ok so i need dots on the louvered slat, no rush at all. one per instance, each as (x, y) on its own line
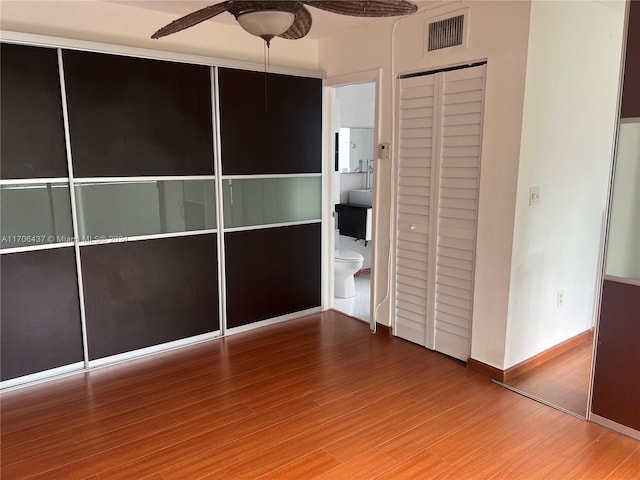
(462, 119)
(421, 122)
(462, 293)
(416, 113)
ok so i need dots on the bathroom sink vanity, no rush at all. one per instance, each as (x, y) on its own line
(361, 197)
(354, 221)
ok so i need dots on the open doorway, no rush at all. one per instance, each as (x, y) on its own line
(353, 123)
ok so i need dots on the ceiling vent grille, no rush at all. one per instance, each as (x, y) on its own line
(446, 33)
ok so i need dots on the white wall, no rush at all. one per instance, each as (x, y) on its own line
(357, 105)
(125, 25)
(567, 138)
(499, 34)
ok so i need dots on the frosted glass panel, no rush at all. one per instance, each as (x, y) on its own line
(623, 244)
(35, 214)
(265, 201)
(116, 210)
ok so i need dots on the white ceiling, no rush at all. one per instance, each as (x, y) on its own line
(324, 23)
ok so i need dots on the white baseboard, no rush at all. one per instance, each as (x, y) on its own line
(39, 377)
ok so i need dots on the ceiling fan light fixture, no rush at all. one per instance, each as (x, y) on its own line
(288, 19)
(266, 23)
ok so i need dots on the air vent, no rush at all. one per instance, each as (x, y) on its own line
(446, 33)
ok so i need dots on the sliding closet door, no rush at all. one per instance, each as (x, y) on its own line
(39, 300)
(616, 381)
(438, 172)
(129, 184)
(271, 151)
(142, 152)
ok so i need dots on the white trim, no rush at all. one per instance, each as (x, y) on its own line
(272, 225)
(395, 172)
(217, 167)
(74, 210)
(97, 47)
(276, 175)
(627, 281)
(272, 321)
(83, 181)
(154, 349)
(366, 76)
(43, 376)
(630, 120)
(616, 427)
(435, 190)
(135, 238)
(34, 248)
(33, 181)
(327, 229)
(375, 303)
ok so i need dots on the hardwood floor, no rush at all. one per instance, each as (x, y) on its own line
(318, 397)
(563, 381)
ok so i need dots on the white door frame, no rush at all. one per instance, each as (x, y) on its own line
(328, 220)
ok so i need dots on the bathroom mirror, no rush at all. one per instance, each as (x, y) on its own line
(355, 147)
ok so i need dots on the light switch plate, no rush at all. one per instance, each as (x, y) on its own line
(534, 196)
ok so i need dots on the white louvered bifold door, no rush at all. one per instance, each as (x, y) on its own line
(417, 149)
(461, 137)
(437, 203)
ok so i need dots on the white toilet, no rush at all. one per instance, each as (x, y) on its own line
(345, 265)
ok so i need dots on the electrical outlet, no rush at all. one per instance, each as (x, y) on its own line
(560, 299)
(534, 196)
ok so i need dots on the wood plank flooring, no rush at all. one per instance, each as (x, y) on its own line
(318, 397)
(563, 380)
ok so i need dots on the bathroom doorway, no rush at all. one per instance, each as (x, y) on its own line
(353, 119)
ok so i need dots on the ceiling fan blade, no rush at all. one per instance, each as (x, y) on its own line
(301, 25)
(365, 8)
(192, 19)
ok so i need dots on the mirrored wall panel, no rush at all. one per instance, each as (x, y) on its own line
(623, 244)
(34, 214)
(355, 149)
(267, 201)
(120, 209)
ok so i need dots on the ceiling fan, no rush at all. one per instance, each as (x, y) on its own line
(288, 19)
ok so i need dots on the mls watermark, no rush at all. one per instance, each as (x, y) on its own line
(46, 239)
